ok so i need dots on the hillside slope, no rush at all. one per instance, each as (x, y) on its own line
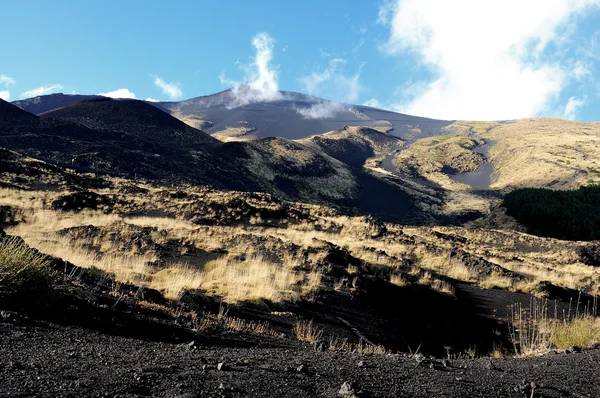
(45, 103)
(151, 144)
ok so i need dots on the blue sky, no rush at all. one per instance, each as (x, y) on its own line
(465, 59)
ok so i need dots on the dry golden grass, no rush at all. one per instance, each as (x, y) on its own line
(259, 264)
(496, 281)
(533, 331)
(545, 153)
(583, 332)
(398, 280)
(443, 287)
(306, 331)
(20, 266)
(254, 279)
(337, 343)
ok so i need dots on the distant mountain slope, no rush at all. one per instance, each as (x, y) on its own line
(131, 117)
(87, 136)
(45, 103)
(294, 116)
(11, 115)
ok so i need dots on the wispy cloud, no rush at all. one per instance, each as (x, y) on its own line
(6, 82)
(172, 90)
(36, 92)
(321, 110)
(119, 93)
(373, 103)
(490, 59)
(572, 107)
(261, 78)
(149, 99)
(333, 83)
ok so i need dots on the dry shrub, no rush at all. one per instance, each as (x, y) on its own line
(245, 326)
(337, 343)
(533, 332)
(443, 287)
(307, 332)
(583, 332)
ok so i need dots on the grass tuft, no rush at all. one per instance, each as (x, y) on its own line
(20, 266)
(307, 332)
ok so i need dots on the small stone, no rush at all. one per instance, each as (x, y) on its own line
(347, 391)
(573, 349)
(301, 369)
(489, 364)
(6, 315)
(192, 345)
(320, 346)
(445, 363)
(361, 364)
(221, 367)
(419, 358)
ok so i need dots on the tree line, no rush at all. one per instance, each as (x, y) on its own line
(564, 214)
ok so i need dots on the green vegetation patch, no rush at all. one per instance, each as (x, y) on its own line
(21, 268)
(568, 214)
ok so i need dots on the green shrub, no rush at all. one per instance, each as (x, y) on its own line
(21, 268)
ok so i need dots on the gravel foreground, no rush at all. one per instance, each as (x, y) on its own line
(47, 360)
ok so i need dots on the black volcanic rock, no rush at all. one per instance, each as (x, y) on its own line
(10, 115)
(132, 117)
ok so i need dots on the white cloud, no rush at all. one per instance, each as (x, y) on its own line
(120, 93)
(6, 81)
(261, 79)
(5, 95)
(573, 106)
(36, 92)
(172, 90)
(321, 110)
(373, 103)
(151, 100)
(581, 70)
(488, 57)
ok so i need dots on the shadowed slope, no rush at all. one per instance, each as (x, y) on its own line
(45, 103)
